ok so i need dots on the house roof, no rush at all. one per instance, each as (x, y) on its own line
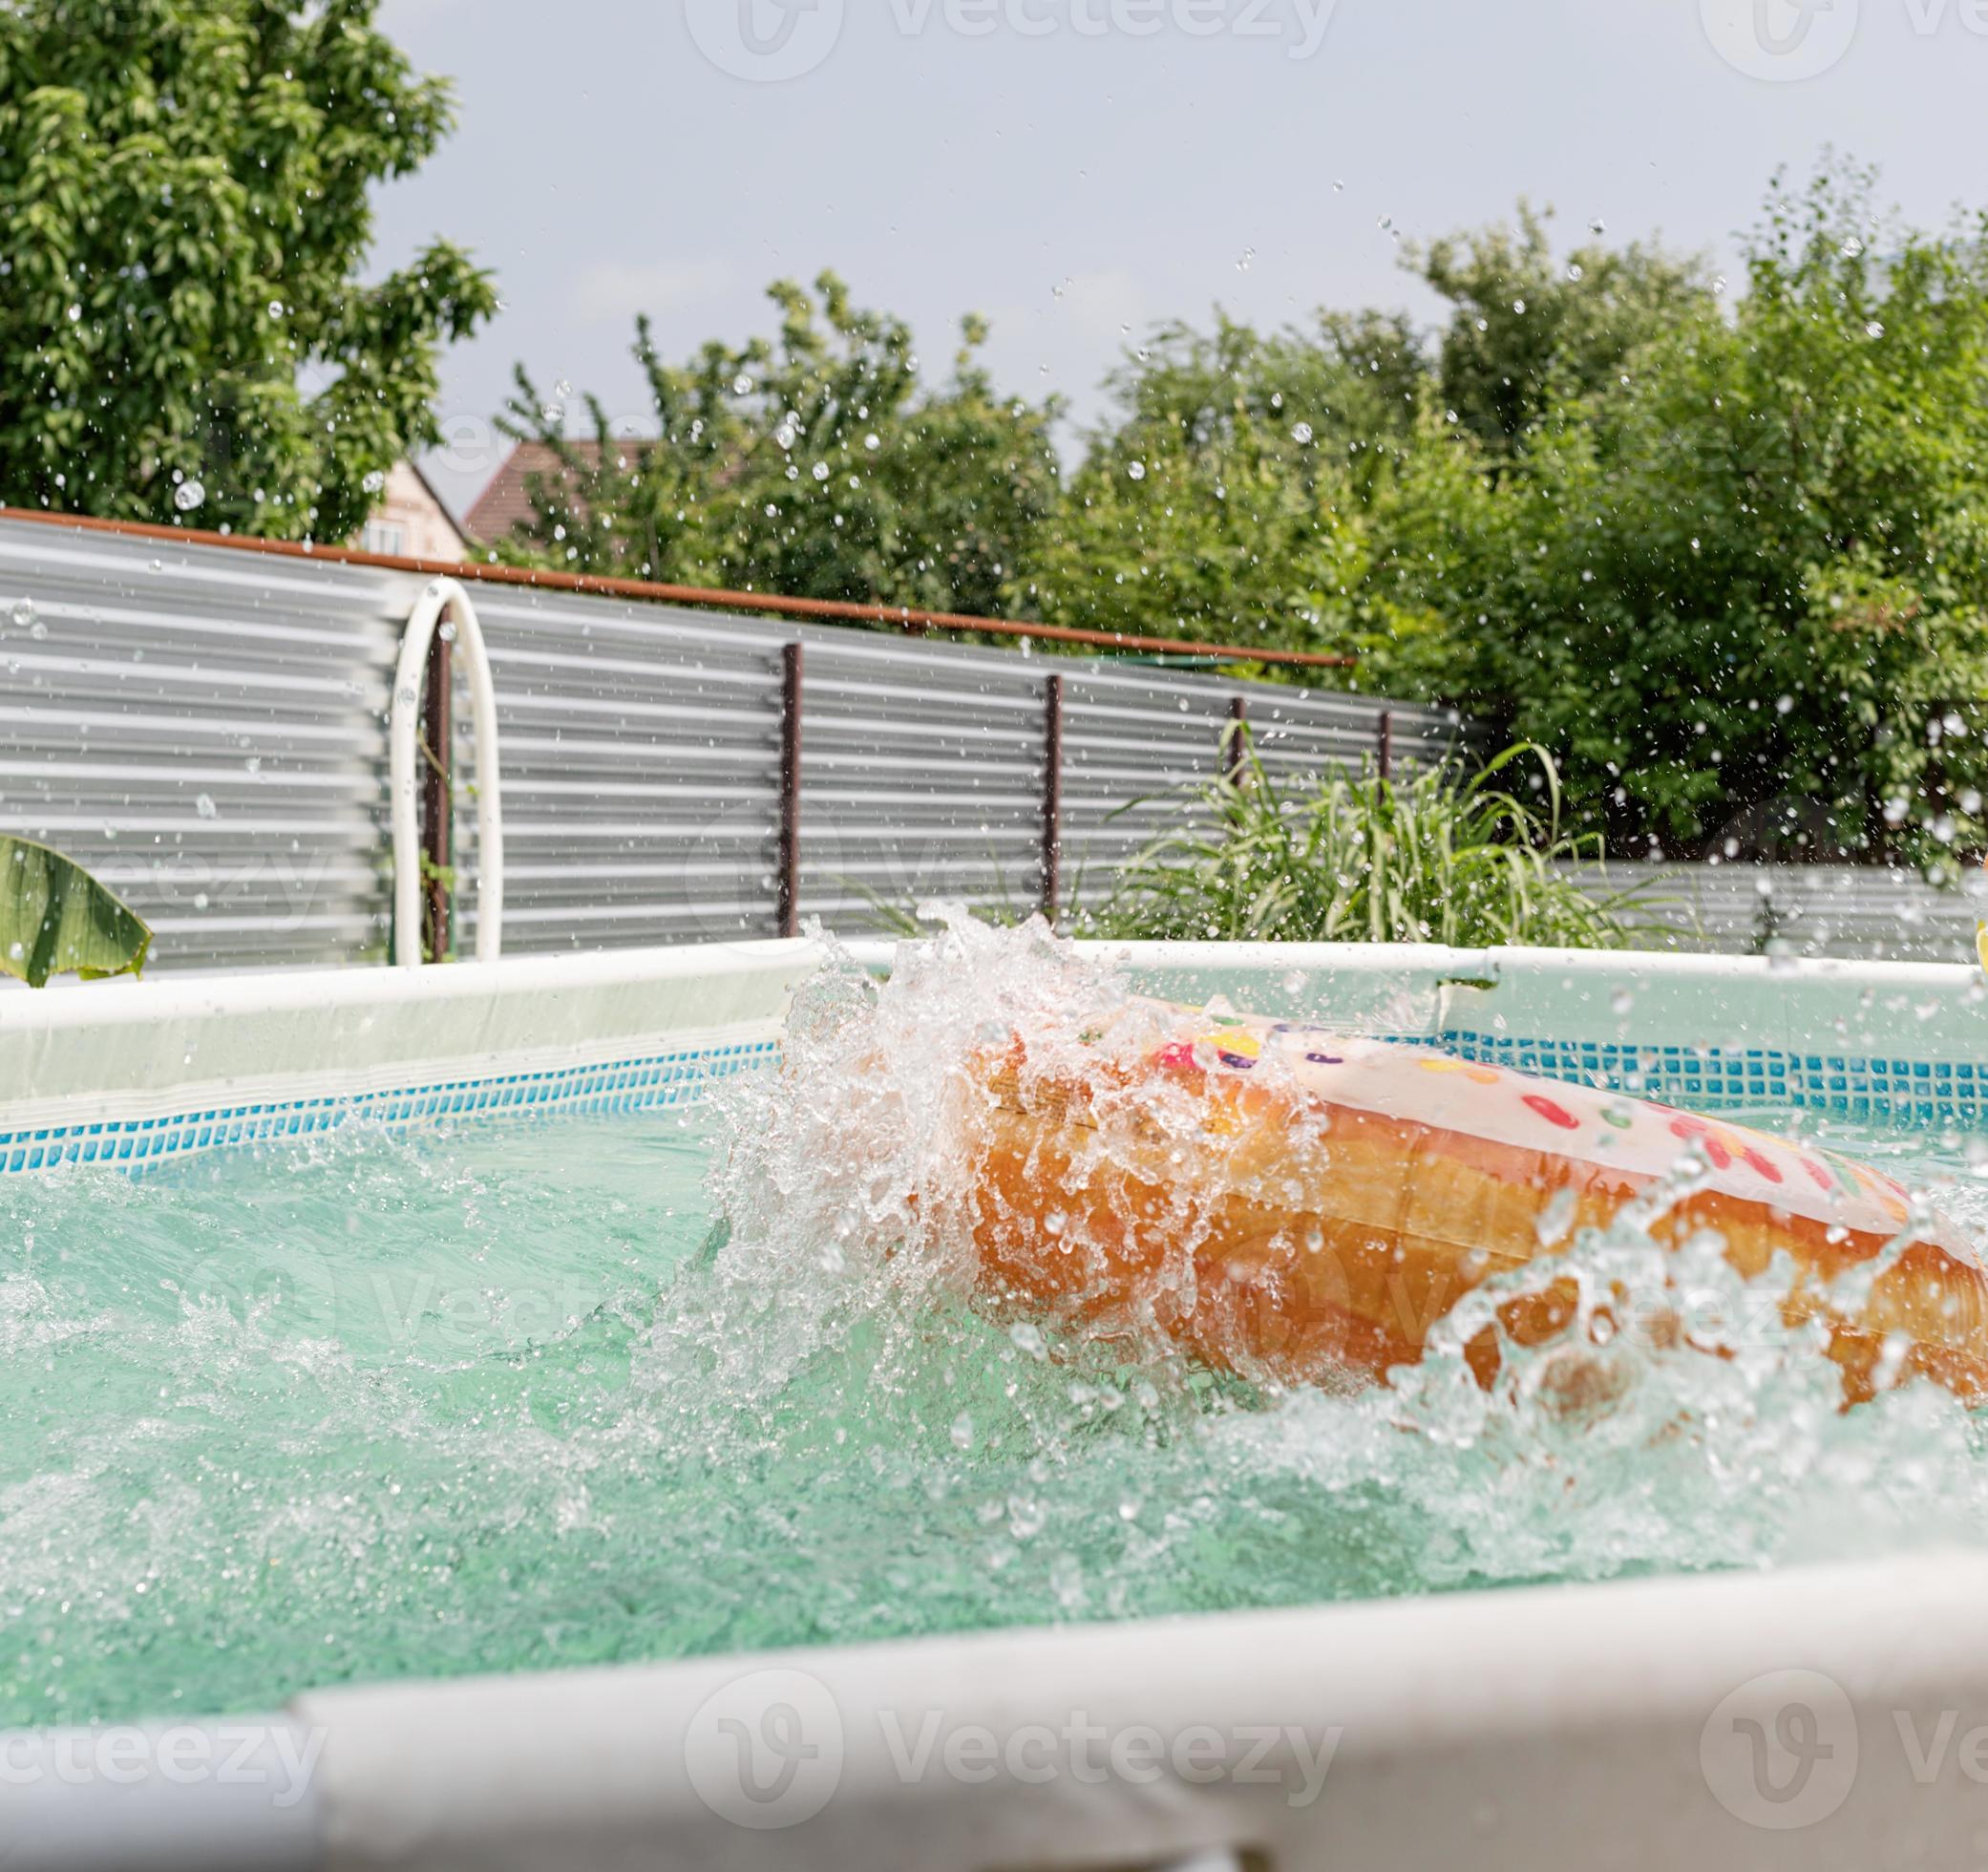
(506, 505)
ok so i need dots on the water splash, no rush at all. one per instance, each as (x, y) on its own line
(1675, 1420)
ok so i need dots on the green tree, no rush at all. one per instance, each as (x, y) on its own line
(814, 465)
(1227, 498)
(1342, 394)
(183, 211)
(1740, 586)
(1526, 328)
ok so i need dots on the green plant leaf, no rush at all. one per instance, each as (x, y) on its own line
(1438, 854)
(56, 919)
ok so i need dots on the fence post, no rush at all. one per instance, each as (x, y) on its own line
(438, 792)
(1235, 753)
(1386, 730)
(791, 791)
(1052, 800)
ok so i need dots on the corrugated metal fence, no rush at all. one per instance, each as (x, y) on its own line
(206, 729)
(1871, 911)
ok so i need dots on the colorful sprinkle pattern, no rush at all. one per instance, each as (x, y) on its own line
(1602, 1128)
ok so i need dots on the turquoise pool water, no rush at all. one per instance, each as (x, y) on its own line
(502, 1400)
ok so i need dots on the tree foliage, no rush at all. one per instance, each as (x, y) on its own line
(183, 211)
(1740, 586)
(1225, 500)
(1527, 330)
(814, 464)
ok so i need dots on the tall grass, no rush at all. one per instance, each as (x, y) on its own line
(1436, 857)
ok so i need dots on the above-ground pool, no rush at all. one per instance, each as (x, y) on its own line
(514, 1323)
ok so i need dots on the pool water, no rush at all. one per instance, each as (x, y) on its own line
(510, 1398)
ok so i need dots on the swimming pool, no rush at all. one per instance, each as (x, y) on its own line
(417, 1351)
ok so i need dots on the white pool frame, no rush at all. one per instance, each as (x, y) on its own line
(1641, 1725)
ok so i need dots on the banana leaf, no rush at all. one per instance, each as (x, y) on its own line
(56, 919)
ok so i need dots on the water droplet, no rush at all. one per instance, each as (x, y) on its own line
(742, 384)
(1137, 471)
(447, 633)
(821, 471)
(1027, 1337)
(75, 314)
(23, 613)
(204, 806)
(276, 309)
(1518, 305)
(1303, 433)
(374, 482)
(188, 495)
(962, 1432)
(1853, 247)
(1874, 330)
(1553, 1221)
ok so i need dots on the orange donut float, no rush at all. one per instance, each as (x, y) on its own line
(1300, 1206)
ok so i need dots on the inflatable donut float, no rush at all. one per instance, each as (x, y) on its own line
(1303, 1206)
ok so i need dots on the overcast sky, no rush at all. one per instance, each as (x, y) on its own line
(1073, 167)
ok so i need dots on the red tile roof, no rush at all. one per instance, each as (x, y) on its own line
(504, 505)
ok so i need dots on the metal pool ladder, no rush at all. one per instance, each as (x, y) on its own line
(445, 595)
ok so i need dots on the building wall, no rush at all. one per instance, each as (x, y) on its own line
(411, 523)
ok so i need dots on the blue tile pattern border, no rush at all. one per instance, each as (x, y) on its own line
(1845, 1085)
(655, 1081)
(1887, 1091)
